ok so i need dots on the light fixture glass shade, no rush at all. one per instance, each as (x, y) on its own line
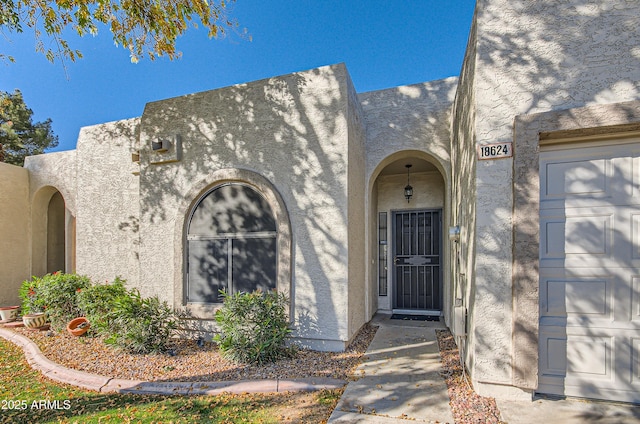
(408, 192)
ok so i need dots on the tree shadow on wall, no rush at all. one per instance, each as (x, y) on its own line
(526, 58)
(289, 129)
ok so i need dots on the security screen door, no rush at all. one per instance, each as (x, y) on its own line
(417, 257)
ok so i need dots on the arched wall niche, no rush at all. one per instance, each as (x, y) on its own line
(52, 233)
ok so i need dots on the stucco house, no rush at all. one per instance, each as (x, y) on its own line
(522, 230)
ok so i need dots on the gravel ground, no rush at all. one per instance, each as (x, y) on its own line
(193, 363)
(466, 405)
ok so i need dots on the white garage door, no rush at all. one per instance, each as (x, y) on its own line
(590, 271)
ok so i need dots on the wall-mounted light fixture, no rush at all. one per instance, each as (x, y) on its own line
(165, 148)
(161, 146)
(408, 190)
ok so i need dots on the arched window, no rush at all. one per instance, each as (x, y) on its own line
(231, 244)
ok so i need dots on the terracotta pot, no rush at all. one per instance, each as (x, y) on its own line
(9, 313)
(78, 326)
(34, 320)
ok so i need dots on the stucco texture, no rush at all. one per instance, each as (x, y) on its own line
(409, 118)
(48, 174)
(294, 132)
(107, 199)
(532, 57)
(318, 152)
(410, 123)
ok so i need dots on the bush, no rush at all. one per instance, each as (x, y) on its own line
(55, 294)
(31, 296)
(140, 325)
(126, 319)
(253, 327)
(98, 300)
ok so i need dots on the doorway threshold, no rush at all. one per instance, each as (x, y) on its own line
(406, 317)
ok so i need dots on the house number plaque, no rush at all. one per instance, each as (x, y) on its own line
(495, 151)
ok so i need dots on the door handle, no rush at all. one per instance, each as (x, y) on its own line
(395, 260)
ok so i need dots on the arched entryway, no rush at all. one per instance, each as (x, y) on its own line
(52, 232)
(409, 243)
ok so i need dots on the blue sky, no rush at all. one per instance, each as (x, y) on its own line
(383, 44)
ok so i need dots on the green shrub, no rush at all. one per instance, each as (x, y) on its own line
(31, 295)
(54, 294)
(98, 300)
(253, 327)
(126, 319)
(140, 325)
(59, 292)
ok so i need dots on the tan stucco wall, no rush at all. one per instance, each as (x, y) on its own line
(48, 174)
(360, 309)
(15, 260)
(293, 131)
(463, 195)
(108, 202)
(57, 170)
(408, 118)
(298, 138)
(531, 57)
(100, 195)
(527, 62)
(409, 122)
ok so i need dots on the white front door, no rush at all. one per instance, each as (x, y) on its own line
(590, 270)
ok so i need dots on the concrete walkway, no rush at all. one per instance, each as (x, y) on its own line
(567, 411)
(400, 380)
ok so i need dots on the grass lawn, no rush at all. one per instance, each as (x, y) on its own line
(28, 397)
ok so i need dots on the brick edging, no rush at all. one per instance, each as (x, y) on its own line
(99, 383)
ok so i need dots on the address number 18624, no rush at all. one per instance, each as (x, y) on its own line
(495, 151)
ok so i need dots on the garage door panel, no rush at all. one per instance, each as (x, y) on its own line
(566, 236)
(626, 236)
(635, 176)
(575, 177)
(578, 177)
(599, 236)
(590, 365)
(589, 358)
(590, 271)
(635, 361)
(634, 235)
(578, 357)
(554, 360)
(576, 297)
(634, 296)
